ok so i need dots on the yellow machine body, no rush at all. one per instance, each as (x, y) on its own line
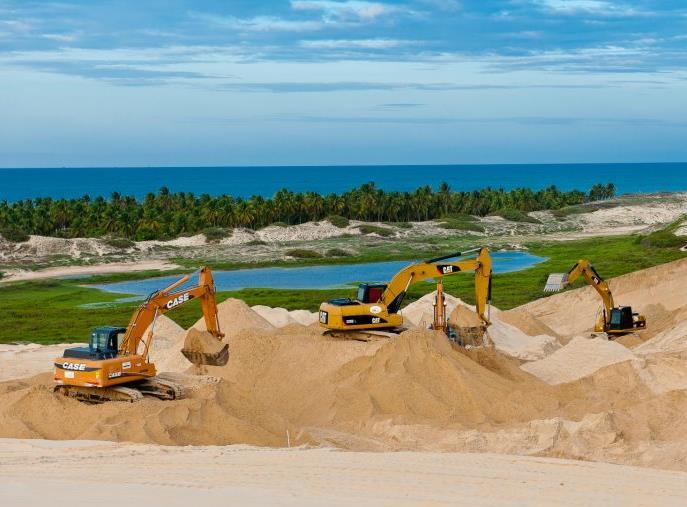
(377, 305)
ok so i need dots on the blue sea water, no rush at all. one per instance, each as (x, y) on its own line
(308, 277)
(16, 184)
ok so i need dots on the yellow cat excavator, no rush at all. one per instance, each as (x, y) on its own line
(614, 320)
(375, 311)
(116, 364)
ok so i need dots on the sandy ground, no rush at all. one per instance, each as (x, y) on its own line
(96, 269)
(543, 388)
(110, 474)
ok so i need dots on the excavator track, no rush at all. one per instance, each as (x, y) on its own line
(364, 335)
(94, 395)
(161, 388)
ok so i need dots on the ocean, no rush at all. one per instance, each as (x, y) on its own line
(17, 184)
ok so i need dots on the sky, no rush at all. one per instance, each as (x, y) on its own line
(336, 82)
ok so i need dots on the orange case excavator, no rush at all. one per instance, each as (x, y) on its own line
(116, 365)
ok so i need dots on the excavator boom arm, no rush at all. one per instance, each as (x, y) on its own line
(584, 268)
(166, 300)
(482, 265)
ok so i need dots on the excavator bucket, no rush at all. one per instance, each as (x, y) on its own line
(201, 348)
(556, 282)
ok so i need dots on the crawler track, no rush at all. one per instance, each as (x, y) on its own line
(162, 389)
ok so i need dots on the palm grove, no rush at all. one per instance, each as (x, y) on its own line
(167, 215)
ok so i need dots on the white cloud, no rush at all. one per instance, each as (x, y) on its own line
(60, 37)
(262, 23)
(355, 43)
(350, 10)
(596, 7)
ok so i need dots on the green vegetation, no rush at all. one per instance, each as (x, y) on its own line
(584, 208)
(337, 252)
(338, 221)
(121, 243)
(665, 238)
(167, 215)
(302, 253)
(515, 215)
(375, 229)
(462, 222)
(255, 242)
(49, 312)
(13, 234)
(400, 225)
(215, 234)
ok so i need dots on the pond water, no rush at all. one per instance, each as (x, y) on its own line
(309, 277)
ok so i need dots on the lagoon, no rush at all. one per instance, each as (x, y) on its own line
(309, 277)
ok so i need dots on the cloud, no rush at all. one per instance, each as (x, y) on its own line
(345, 11)
(337, 86)
(355, 43)
(594, 7)
(261, 23)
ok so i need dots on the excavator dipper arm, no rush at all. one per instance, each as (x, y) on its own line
(165, 300)
(395, 291)
(584, 268)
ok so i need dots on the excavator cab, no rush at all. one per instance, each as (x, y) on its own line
(370, 292)
(103, 344)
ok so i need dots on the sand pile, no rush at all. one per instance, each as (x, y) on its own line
(278, 317)
(573, 312)
(511, 341)
(579, 358)
(592, 398)
(462, 316)
(166, 349)
(420, 313)
(526, 322)
(281, 317)
(234, 316)
(670, 334)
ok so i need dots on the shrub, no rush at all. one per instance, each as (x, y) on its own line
(375, 229)
(338, 221)
(215, 233)
(666, 238)
(463, 217)
(1, 275)
(302, 253)
(337, 252)
(254, 242)
(121, 243)
(400, 225)
(14, 234)
(515, 215)
(452, 223)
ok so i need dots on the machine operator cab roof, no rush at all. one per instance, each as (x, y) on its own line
(367, 293)
(103, 344)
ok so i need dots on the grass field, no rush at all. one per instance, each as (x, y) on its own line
(49, 311)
